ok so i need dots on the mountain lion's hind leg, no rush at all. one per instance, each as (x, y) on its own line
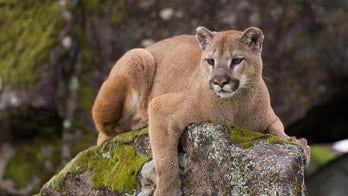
(122, 99)
(110, 112)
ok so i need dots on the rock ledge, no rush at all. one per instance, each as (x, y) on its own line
(214, 159)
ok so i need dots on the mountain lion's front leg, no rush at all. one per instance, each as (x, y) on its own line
(277, 128)
(164, 135)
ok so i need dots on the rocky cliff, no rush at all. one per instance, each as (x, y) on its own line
(215, 159)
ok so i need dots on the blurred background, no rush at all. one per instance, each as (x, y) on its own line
(55, 54)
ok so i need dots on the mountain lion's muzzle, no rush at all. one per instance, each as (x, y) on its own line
(223, 85)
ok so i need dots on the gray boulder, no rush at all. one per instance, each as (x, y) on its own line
(215, 159)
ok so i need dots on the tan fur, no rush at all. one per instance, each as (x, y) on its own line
(171, 84)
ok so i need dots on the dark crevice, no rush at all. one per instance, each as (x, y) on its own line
(324, 123)
(33, 122)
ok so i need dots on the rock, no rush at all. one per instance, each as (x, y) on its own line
(239, 162)
(215, 159)
(331, 179)
(40, 164)
(110, 169)
(166, 13)
(148, 179)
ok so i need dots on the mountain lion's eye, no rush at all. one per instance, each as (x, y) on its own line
(210, 61)
(236, 61)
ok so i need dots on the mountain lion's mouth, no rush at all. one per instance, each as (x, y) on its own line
(226, 90)
(225, 94)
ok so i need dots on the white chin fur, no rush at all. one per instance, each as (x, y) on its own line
(224, 92)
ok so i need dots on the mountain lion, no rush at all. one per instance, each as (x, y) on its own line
(215, 77)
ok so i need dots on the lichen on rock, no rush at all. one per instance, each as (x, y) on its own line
(113, 166)
(248, 164)
(263, 168)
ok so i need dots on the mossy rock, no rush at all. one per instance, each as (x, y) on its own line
(261, 161)
(28, 33)
(245, 138)
(31, 166)
(249, 163)
(113, 166)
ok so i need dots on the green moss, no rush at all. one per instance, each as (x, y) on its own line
(246, 138)
(243, 137)
(118, 169)
(28, 31)
(115, 165)
(75, 166)
(276, 140)
(129, 136)
(31, 161)
(321, 154)
(88, 54)
(117, 9)
(85, 92)
(119, 12)
(92, 7)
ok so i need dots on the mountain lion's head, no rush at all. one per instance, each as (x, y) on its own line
(231, 60)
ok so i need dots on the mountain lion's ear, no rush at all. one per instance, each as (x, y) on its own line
(204, 36)
(253, 37)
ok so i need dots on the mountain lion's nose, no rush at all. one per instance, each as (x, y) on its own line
(221, 80)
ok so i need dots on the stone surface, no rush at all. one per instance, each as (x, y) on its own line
(211, 162)
(330, 180)
(215, 165)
